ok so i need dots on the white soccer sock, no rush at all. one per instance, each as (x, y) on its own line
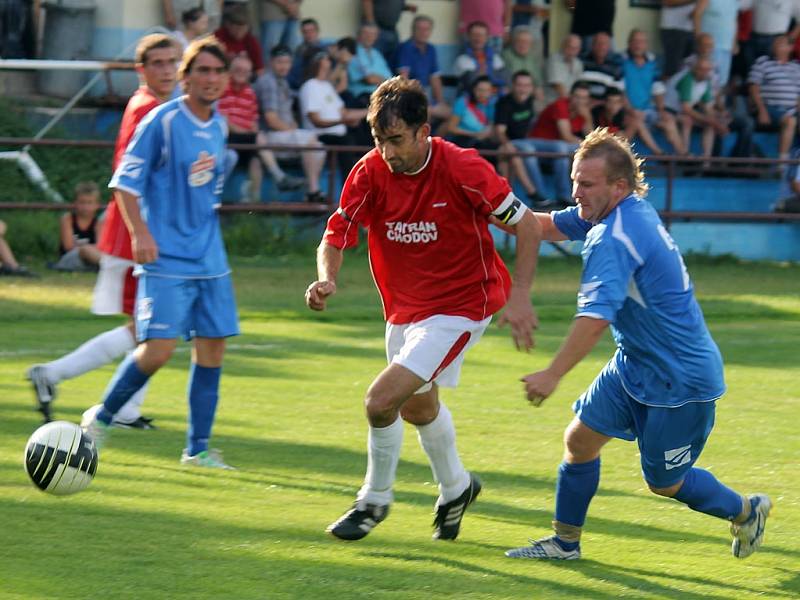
(438, 439)
(132, 409)
(98, 351)
(383, 454)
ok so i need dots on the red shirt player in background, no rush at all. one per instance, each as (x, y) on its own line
(115, 292)
(427, 205)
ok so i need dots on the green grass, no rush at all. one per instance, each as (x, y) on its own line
(291, 419)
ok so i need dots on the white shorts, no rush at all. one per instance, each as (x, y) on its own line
(434, 348)
(292, 137)
(110, 288)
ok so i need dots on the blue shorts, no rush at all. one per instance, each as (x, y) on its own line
(670, 439)
(170, 307)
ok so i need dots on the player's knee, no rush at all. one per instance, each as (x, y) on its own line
(381, 409)
(418, 414)
(667, 492)
(576, 448)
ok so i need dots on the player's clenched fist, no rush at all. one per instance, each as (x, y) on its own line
(317, 294)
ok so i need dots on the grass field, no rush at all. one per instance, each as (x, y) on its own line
(291, 419)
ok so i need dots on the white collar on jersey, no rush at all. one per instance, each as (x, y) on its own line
(427, 160)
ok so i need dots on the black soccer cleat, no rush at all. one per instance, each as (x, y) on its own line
(356, 523)
(447, 522)
(44, 390)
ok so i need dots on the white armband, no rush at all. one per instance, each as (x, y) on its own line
(510, 211)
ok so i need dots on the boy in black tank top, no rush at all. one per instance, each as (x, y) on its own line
(80, 229)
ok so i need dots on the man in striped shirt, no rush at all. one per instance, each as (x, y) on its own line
(775, 88)
(239, 106)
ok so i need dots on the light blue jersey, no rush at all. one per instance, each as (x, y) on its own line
(175, 165)
(635, 278)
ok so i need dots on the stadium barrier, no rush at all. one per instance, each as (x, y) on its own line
(668, 164)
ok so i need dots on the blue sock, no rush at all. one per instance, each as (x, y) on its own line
(203, 396)
(127, 380)
(575, 488)
(701, 491)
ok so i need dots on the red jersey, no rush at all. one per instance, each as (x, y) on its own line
(247, 45)
(430, 248)
(114, 237)
(545, 127)
(239, 106)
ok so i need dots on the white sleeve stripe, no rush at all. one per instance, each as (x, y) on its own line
(590, 315)
(618, 233)
(115, 185)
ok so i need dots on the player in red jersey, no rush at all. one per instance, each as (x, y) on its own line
(115, 291)
(427, 205)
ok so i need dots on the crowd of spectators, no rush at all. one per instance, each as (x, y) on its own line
(731, 69)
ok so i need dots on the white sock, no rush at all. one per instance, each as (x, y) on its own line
(438, 439)
(132, 409)
(98, 351)
(383, 453)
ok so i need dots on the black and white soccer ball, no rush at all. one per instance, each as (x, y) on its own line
(60, 458)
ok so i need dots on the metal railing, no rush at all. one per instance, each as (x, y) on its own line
(669, 163)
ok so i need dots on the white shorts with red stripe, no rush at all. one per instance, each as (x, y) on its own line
(434, 348)
(115, 289)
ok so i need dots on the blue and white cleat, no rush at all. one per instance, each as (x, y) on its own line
(747, 537)
(546, 548)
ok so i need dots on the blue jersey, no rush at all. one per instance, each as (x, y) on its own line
(635, 278)
(175, 165)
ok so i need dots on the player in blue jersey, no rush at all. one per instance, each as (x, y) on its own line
(169, 181)
(661, 385)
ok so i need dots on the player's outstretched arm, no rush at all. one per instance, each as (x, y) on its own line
(143, 246)
(519, 313)
(329, 262)
(582, 337)
(549, 231)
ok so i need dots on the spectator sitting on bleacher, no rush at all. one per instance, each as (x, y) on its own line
(728, 108)
(385, 14)
(235, 36)
(276, 100)
(471, 124)
(602, 68)
(9, 264)
(479, 59)
(239, 106)
(341, 54)
(323, 112)
(513, 117)
(521, 55)
(690, 96)
(80, 230)
(775, 89)
(369, 68)
(175, 9)
(194, 24)
(417, 59)
(645, 94)
(564, 68)
(311, 44)
(560, 128)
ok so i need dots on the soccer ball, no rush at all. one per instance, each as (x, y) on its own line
(60, 458)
